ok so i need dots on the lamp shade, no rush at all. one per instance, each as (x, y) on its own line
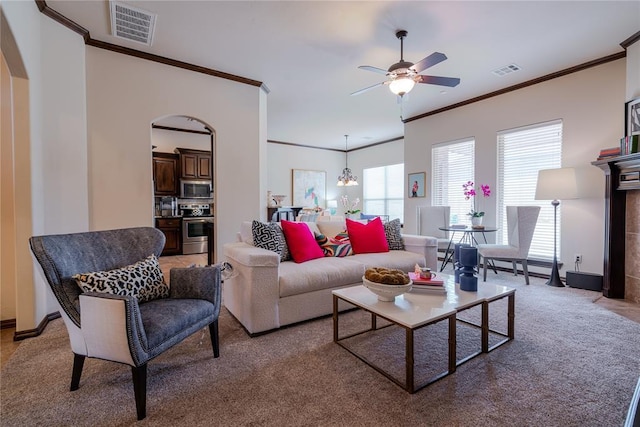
(402, 85)
(557, 184)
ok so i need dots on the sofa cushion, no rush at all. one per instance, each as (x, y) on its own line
(269, 236)
(402, 260)
(301, 242)
(318, 274)
(143, 280)
(367, 238)
(393, 232)
(338, 246)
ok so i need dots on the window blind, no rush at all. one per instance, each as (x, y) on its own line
(383, 191)
(522, 152)
(452, 165)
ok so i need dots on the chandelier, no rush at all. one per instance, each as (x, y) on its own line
(347, 179)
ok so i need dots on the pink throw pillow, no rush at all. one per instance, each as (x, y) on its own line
(367, 238)
(301, 241)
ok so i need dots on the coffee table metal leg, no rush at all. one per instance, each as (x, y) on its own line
(485, 327)
(452, 344)
(409, 362)
(335, 318)
(511, 316)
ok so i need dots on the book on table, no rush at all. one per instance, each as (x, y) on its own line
(434, 285)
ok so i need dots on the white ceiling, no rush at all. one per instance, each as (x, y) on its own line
(307, 53)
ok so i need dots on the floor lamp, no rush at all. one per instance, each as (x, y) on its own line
(556, 184)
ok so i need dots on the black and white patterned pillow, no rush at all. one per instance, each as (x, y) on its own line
(270, 236)
(393, 231)
(143, 280)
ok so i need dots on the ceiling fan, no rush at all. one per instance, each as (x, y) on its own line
(403, 75)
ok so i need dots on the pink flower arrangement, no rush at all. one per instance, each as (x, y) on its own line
(469, 191)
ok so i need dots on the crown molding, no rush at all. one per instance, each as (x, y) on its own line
(56, 16)
(561, 73)
(631, 40)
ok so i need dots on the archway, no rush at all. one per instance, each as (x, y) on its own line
(185, 140)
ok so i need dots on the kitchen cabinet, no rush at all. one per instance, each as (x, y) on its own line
(165, 174)
(195, 164)
(172, 229)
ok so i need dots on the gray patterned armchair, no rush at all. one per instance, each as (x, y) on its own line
(120, 327)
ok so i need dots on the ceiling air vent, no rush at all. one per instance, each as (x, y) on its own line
(511, 68)
(131, 23)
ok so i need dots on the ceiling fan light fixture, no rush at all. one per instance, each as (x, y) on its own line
(346, 179)
(402, 85)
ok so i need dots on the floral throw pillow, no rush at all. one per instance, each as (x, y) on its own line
(393, 231)
(338, 246)
(143, 280)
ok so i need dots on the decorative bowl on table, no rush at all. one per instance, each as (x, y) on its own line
(386, 283)
(278, 199)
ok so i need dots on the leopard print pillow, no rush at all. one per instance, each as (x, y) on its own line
(143, 280)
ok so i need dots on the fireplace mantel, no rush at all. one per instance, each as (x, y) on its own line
(621, 174)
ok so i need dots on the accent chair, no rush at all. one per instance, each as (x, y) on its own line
(117, 326)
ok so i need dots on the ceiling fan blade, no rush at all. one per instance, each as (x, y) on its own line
(358, 92)
(436, 80)
(429, 61)
(374, 69)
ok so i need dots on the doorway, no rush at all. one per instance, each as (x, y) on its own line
(191, 144)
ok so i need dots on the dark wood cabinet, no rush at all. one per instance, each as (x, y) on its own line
(172, 229)
(165, 174)
(195, 164)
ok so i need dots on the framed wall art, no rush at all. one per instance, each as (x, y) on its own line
(416, 184)
(632, 117)
(309, 188)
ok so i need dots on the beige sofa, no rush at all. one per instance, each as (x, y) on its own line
(265, 293)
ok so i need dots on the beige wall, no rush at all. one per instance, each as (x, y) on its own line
(125, 95)
(167, 141)
(633, 71)
(589, 103)
(50, 151)
(7, 199)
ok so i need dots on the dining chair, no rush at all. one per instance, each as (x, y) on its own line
(521, 224)
(283, 213)
(429, 219)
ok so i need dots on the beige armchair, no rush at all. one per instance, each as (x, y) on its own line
(521, 224)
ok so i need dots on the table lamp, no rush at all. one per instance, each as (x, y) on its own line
(556, 184)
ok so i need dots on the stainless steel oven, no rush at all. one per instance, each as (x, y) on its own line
(194, 234)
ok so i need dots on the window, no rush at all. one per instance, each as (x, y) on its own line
(522, 153)
(383, 191)
(452, 165)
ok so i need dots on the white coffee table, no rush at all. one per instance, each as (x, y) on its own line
(415, 310)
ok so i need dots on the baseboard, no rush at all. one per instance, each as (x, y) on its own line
(582, 280)
(30, 333)
(6, 324)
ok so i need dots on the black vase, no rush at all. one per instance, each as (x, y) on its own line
(469, 262)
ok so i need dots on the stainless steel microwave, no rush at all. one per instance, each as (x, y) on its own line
(190, 189)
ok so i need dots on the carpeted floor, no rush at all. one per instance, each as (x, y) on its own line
(572, 363)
